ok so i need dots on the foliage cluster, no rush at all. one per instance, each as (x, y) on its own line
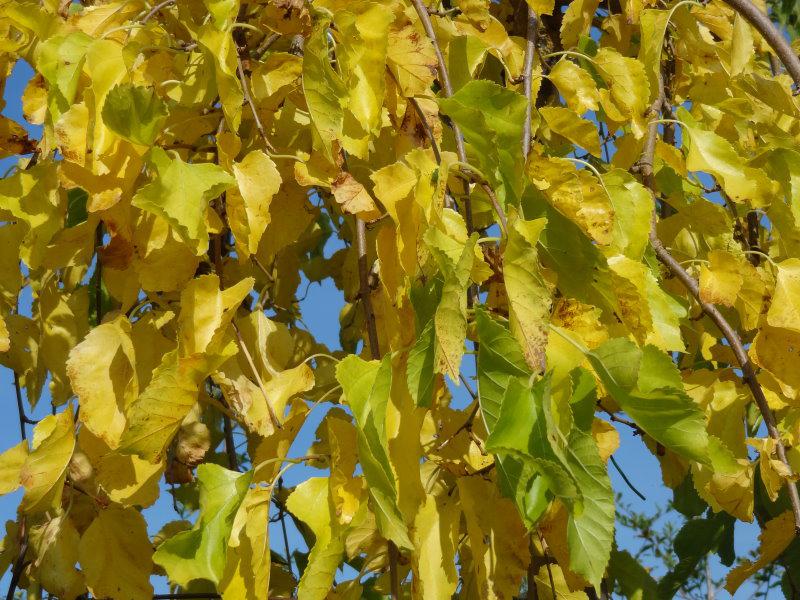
(593, 209)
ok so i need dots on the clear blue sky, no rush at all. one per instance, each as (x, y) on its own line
(320, 311)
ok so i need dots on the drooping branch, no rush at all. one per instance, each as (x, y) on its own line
(691, 284)
(771, 35)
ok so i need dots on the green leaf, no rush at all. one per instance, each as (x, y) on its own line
(60, 60)
(134, 112)
(500, 360)
(200, 553)
(694, 541)
(366, 387)
(522, 430)
(491, 119)
(311, 503)
(76, 207)
(420, 371)
(634, 580)
(590, 533)
(665, 413)
(180, 193)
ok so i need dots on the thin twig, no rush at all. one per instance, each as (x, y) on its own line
(249, 99)
(282, 518)
(527, 80)
(155, 10)
(533, 593)
(625, 478)
(20, 408)
(230, 444)
(501, 214)
(19, 562)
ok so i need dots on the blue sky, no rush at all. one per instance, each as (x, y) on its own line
(320, 310)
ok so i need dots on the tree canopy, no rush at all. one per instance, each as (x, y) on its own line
(548, 220)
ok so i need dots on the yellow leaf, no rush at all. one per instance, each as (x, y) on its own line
(773, 471)
(575, 193)
(128, 479)
(784, 311)
(286, 384)
(606, 436)
(206, 312)
(720, 281)
(115, 554)
(220, 49)
(542, 7)
(102, 372)
(741, 45)
(353, 197)
(777, 534)
(712, 153)
(31, 196)
(568, 124)
(411, 58)
(652, 316)
(63, 322)
(14, 139)
(628, 83)
(156, 415)
(5, 340)
(11, 463)
(55, 547)
(576, 86)
(577, 21)
(727, 484)
(311, 504)
(361, 54)
(497, 538)
(247, 571)
(776, 350)
(248, 210)
(45, 467)
(162, 262)
(435, 537)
